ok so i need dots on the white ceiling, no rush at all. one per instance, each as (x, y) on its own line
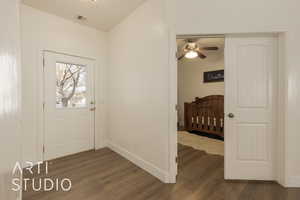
(102, 14)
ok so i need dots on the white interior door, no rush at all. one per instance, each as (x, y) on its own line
(69, 105)
(250, 92)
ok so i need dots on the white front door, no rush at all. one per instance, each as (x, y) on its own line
(69, 103)
(250, 100)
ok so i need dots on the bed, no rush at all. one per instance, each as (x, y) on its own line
(205, 115)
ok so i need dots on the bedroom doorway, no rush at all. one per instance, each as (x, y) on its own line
(227, 106)
(200, 110)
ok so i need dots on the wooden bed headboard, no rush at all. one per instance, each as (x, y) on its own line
(205, 115)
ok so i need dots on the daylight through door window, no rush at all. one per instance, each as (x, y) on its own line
(71, 82)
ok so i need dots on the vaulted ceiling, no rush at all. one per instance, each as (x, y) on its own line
(100, 14)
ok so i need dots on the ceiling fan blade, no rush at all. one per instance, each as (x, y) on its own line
(210, 48)
(201, 55)
(180, 57)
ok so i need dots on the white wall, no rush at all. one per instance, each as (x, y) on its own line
(190, 80)
(138, 88)
(10, 95)
(42, 31)
(235, 16)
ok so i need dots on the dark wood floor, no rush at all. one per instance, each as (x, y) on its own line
(106, 175)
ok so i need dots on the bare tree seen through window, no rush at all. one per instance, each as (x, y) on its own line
(70, 85)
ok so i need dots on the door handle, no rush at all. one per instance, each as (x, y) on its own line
(230, 115)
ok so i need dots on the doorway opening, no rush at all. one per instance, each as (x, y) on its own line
(200, 111)
(227, 127)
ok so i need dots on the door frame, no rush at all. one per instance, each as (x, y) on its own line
(173, 149)
(41, 100)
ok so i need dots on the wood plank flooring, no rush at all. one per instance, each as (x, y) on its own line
(104, 174)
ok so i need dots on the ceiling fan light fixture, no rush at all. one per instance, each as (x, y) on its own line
(191, 54)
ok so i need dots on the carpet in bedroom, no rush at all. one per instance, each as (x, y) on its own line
(211, 146)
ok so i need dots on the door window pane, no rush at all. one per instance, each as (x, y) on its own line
(71, 82)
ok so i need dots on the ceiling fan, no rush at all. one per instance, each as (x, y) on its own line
(192, 50)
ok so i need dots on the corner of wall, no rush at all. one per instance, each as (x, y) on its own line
(145, 165)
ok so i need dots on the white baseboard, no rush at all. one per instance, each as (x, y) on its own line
(150, 168)
(293, 182)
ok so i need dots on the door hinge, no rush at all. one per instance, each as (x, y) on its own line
(43, 106)
(176, 159)
(43, 148)
(43, 62)
(177, 107)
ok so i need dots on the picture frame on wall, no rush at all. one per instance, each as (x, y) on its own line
(213, 76)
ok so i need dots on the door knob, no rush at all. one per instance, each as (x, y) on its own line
(92, 109)
(230, 115)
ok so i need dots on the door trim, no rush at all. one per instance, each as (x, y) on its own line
(40, 100)
(172, 135)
